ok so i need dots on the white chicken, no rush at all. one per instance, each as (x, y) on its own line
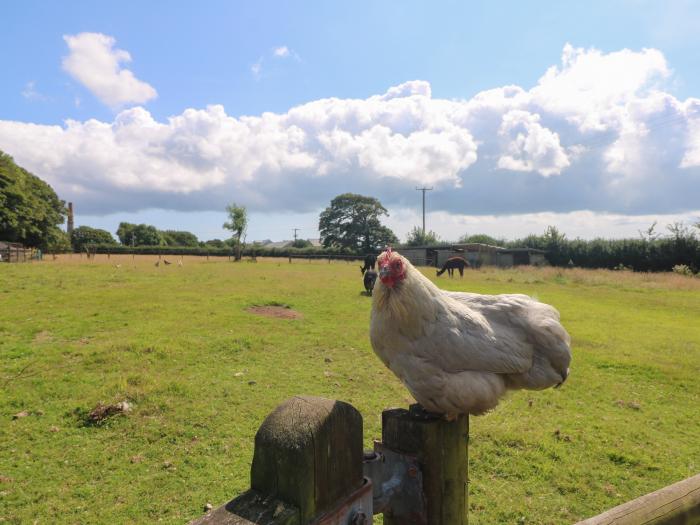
(458, 353)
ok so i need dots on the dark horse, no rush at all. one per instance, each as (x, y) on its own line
(454, 262)
(369, 280)
(370, 261)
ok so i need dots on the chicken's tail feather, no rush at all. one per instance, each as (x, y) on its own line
(566, 375)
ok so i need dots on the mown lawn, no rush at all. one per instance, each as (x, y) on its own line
(202, 373)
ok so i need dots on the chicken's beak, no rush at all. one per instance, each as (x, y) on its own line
(385, 274)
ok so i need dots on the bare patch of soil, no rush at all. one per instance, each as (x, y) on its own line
(42, 337)
(279, 312)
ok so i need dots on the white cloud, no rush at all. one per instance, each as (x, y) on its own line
(691, 159)
(97, 64)
(592, 89)
(281, 52)
(569, 143)
(285, 52)
(30, 92)
(256, 68)
(531, 146)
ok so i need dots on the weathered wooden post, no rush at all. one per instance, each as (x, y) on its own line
(440, 448)
(307, 468)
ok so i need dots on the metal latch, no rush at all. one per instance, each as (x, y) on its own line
(397, 483)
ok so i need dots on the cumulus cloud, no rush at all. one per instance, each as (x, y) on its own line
(691, 159)
(593, 89)
(97, 64)
(531, 147)
(597, 132)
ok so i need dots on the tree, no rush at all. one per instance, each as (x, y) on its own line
(555, 245)
(30, 211)
(58, 241)
(416, 237)
(179, 238)
(214, 243)
(301, 243)
(237, 223)
(650, 234)
(139, 235)
(84, 235)
(352, 223)
(680, 231)
(480, 238)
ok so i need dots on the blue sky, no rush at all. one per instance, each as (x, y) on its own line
(161, 112)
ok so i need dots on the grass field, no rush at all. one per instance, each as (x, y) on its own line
(202, 373)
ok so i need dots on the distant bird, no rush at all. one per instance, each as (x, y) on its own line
(459, 353)
(117, 265)
(452, 264)
(179, 262)
(369, 279)
(157, 263)
(166, 262)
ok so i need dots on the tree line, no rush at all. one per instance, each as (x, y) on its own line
(31, 213)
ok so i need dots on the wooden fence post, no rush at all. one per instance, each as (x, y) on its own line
(307, 466)
(441, 449)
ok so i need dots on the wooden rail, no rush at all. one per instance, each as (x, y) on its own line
(677, 504)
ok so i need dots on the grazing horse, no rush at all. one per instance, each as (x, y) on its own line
(452, 263)
(369, 280)
(370, 261)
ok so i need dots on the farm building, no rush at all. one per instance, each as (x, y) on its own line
(14, 252)
(476, 254)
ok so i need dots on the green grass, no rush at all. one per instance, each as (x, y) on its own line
(174, 342)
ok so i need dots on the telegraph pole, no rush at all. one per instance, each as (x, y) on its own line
(295, 234)
(424, 190)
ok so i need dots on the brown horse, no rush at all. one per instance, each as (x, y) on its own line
(453, 263)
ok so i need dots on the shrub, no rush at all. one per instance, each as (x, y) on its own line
(683, 269)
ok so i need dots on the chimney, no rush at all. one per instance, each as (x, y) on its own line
(70, 218)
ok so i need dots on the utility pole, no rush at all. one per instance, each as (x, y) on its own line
(424, 190)
(295, 234)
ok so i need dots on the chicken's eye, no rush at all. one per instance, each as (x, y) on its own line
(397, 265)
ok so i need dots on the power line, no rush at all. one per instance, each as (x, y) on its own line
(424, 190)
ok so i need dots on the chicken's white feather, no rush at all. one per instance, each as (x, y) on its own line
(459, 352)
